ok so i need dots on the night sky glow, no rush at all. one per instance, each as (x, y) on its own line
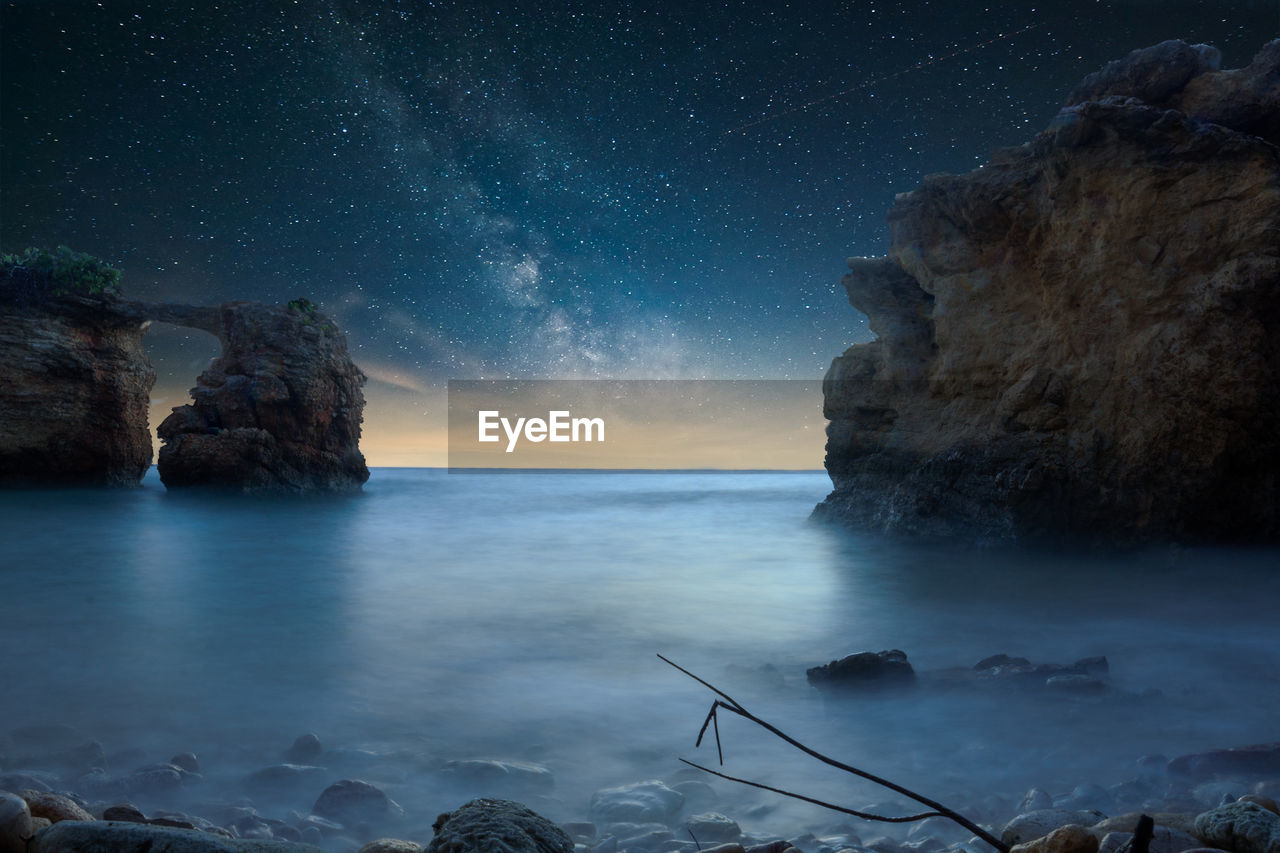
(550, 189)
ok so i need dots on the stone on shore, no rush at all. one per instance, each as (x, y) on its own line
(1071, 838)
(391, 845)
(1242, 827)
(15, 823)
(1036, 824)
(497, 826)
(55, 807)
(107, 837)
(713, 827)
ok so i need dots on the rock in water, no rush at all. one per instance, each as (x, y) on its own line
(1078, 340)
(497, 826)
(1258, 760)
(865, 670)
(639, 802)
(353, 802)
(278, 411)
(75, 385)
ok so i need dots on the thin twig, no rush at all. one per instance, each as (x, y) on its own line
(825, 805)
(694, 837)
(736, 707)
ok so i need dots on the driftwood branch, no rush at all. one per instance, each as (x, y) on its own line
(730, 704)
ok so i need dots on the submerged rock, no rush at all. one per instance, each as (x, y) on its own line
(640, 802)
(497, 826)
(1077, 340)
(1258, 760)
(278, 411)
(353, 802)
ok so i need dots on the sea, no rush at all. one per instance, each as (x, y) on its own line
(519, 616)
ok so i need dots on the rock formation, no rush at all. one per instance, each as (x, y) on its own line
(1079, 340)
(278, 411)
(74, 389)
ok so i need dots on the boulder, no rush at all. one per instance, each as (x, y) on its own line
(497, 826)
(354, 802)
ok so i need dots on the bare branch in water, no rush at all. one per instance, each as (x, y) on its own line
(730, 704)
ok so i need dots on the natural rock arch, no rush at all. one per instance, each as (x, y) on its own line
(279, 410)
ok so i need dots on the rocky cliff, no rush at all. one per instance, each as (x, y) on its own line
(74, 389)
(1080, 338)
(278, 411)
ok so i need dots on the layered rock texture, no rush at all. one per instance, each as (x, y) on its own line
(75, 385)
(278, 411)
(1080, 338)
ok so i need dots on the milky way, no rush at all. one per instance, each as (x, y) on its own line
(539, 189)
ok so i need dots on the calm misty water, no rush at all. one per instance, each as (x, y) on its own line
(518, 616)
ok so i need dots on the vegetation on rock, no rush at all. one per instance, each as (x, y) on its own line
(39, 273)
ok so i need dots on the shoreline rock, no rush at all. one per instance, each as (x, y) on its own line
(1073, 342)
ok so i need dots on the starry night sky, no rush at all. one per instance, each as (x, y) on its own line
(550, 189)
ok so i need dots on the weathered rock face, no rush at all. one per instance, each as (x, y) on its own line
(278, 411)
(74, 389)
(1079, 339)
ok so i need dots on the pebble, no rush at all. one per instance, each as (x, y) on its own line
(391, 845)
(55, 807)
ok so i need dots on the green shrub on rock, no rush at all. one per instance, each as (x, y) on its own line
(39, 273)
